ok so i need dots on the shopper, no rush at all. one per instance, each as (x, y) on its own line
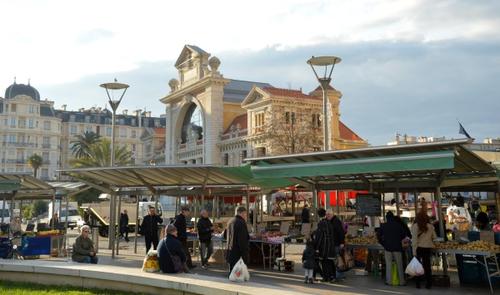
(308, 262)
(205, 230)
(305, 216)
(324, 244)
(180, 223)
(338, 238)
(54, 221)
(124, 225)
(237, 238)
(391, 236)
(171, 256)
(149, 228)
(422, 244)
(83, 248)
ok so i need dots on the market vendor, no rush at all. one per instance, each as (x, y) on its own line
(458, 217)
(83, 248)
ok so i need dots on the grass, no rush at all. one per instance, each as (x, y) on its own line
(16, 288)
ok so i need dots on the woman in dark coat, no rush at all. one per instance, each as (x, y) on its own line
(325, 245)
(168, 248)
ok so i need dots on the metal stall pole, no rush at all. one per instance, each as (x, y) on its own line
(397, 201)
(3, 208)
(439, 214)
(53, 210)
(261, 208)
(337, 202)
(248, 202)
(498, 200)
(415, 199)
(255, 214)
(293, 206)
(315, 203)
(136, 230)
(383, 207)
(119, 229)
(112, 224)
(111, 227)
(66, 225)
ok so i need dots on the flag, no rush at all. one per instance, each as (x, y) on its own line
(462, 131)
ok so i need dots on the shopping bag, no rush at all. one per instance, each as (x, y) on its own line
(240, 272)
(345, 261)
(150, 263)
(415, 268)
(394, 275)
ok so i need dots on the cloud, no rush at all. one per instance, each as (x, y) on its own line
(94, 35)
(407, 87)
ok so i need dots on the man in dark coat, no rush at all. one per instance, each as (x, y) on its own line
(168, 247)
(325, 245)
(205, 230)
(124, 225)
(237, 238)
(305, 216)
(149, 228)
(390, 236)
(181, 224)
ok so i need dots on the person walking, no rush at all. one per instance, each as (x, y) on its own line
(205, 230)
(83, 248)
(391, 235)
(308, 262)
(422, 243)
(237, 238)
(149, 228)
(305, 216)
(124, 225)
(338, 238)
(181, 223)
(54, 221)
(171, 256)
(325, 246)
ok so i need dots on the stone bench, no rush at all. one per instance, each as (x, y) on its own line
(127, 279)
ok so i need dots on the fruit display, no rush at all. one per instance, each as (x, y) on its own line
(48, 232)
(368, 240)
(472, 246)
(447, 245)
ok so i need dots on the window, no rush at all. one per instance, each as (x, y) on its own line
(134, 134)
(30, 123)
(72, 129)
(88, 129)
(46, 142)
(133, 147)
(243, 155)
(13, 107)
(45, 173)
(316, 121)
(72, 118)
(192, 127)
(123, 132)
(12, 138)
(157, 123)
(13, 122)
(31, 109)
(226, 159)
(259, 119)
(108, 131)
(22, 123)
(45, 157)
(290, 118)
(46, 125)
(87, 119)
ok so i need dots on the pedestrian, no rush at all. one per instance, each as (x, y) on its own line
(338, 238)
(237, 238)
(205, 230)
(124, 225)
(181, 224)
(308, 262)
(324, 244)
(54, 221)
(391, 235)
(149, 228)
(305, 216)
(171, 256)
(83, 248)
(422, 244)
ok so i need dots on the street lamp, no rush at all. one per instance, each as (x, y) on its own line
(324, 81)
(111, 89)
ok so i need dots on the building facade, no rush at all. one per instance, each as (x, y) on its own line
(30, 126)
(214, 120)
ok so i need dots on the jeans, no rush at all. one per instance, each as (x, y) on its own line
(424, 256)
(151, 239)
(206, 250)
(398, 258)
(185, 248)
(338, 275)
(90, 259)
(309, 273)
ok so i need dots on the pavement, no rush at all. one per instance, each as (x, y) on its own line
(293, 281)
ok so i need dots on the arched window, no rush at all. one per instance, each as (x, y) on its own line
(193, 124)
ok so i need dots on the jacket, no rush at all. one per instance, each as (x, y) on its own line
(204, 227)
(308, 258)
(390, 235)
(237, 240)
(123, 220)
(167, 246)
(422, 239)
(180, 224)
(149, 226)
(323, 239)
(338, 231)
(82, 248)
(305, 215)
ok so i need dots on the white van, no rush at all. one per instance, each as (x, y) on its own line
(74, 218)
(5, 212)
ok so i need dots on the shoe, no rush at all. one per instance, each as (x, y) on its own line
(306, 281)
(311, 281)
(192, 266)
(203, 266)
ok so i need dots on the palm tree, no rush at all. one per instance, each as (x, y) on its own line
(81, 145)
(35, 161)
(99, 155)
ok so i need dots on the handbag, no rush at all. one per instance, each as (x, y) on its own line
(176, 261)
(345, 261)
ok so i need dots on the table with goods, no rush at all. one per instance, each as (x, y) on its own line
(32, 244)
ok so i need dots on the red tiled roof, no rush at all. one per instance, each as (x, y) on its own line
(348, 134)
(160, 132)
(241, 120)
(287, 93)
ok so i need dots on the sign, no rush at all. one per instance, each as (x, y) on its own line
(368, 205)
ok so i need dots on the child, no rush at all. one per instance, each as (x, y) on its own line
(308, 262)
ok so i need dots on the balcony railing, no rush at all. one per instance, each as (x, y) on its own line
(15, 161)
(19, 144)
(46, 145)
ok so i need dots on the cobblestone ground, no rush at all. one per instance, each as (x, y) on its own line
(353, 284)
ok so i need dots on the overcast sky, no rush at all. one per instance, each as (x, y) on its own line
(411, 67)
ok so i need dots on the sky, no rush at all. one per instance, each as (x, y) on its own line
(408, 67)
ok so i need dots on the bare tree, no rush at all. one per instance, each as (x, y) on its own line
(291, 132)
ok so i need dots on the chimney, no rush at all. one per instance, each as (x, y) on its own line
(125, 112)
(64, 107)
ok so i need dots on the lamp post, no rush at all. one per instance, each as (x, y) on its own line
(326, 62)
(111, 89)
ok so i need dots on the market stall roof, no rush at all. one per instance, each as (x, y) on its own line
(420, 166)
(168, 178)
(24, 186)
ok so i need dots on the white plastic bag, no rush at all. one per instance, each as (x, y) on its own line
(240, 272)
(414, 268)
